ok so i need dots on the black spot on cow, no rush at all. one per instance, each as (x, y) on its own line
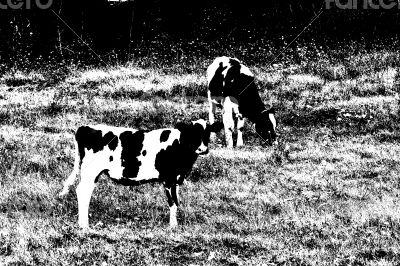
(250, 103)
(89, 138)
(234, 62)
(216, 83)
(132, 182)
(111, 158)
(173, 161)
(93, 139)
(179, 157)
(144, 153)
(264, 126)
(111, 140)
(191, 135)
(164, 135)
(132, 144)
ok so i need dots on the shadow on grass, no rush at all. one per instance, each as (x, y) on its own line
(382, 126)
(70, 238)
(34, 204)
(131, 94)
(362, 174)
(50, 77)
(153, 117)
(20, 116)
(192, 92)
(208, 168)
(370, 91)
(315, 118)
(378, 254)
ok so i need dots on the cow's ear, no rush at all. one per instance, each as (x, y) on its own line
(181, 126)
(216, 126)
(222, 67)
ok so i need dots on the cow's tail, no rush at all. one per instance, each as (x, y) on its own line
(73, 176)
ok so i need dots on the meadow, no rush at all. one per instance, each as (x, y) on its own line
(328, 194)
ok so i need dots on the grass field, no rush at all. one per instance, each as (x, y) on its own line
(329, 194)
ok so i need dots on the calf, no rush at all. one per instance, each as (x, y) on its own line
(133, 157)
(231, 86)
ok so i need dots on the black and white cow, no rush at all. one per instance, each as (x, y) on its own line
(133, 157)
(231, 86)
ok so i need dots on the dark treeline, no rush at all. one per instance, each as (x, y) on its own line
(133, 27)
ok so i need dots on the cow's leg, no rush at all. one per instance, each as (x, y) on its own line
(240, 127)
(211, 113)
(72, 177)
(229, 126)
(84, 192)
(229, 123)
(69, 182)
(173, 202)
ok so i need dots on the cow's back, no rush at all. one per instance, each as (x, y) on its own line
(133, 157)
(96, 138)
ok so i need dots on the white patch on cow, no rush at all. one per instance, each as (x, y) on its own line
(202, 122)
(115, 130)
(92, 165)
(246, 71)
(172, 208)
(114, 167)
(173, 222)
(230, 114)
(202, 148)
(153, 146)
(213, 101)
(212, 68)
(272, 119)
(240, 127)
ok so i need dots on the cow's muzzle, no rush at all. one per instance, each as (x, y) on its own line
(202, 151)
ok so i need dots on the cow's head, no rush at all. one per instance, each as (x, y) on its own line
(266, 126)
(196, 135)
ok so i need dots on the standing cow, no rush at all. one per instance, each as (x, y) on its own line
(134, 157)
(231, 86)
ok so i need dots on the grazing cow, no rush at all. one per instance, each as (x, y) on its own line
(231, 86)
(133, 157)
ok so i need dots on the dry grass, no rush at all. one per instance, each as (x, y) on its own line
(328, 195)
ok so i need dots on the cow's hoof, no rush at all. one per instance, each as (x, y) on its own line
(173, 225)
(83, 225)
